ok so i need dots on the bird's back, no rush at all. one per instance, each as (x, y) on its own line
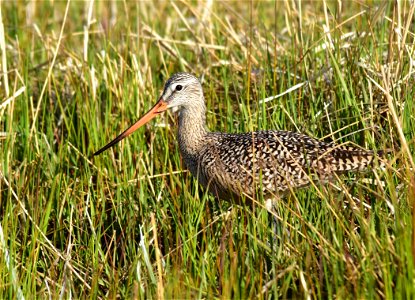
(269, 161)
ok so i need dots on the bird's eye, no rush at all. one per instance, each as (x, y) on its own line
(179, 87)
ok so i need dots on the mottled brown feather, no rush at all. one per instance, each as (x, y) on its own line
(270, 162)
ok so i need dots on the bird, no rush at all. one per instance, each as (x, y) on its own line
(237, 167)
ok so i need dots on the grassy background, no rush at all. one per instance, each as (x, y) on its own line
(132, 222)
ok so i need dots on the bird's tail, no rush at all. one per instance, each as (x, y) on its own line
(344, 159)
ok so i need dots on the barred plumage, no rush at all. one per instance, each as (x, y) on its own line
(230, 165)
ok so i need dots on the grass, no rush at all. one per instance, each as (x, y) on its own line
(132, 223)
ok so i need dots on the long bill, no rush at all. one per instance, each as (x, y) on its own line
(158, 108)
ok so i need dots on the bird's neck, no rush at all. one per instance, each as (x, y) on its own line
(192, 130)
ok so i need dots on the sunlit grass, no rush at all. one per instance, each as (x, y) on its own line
(133, 222)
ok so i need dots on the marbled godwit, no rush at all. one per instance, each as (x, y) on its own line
(231, 165)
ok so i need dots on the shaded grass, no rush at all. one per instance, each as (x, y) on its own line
(132, 222)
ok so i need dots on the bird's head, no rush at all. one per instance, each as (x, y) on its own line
(181, 91)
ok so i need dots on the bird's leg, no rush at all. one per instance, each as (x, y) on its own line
(280, 232)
